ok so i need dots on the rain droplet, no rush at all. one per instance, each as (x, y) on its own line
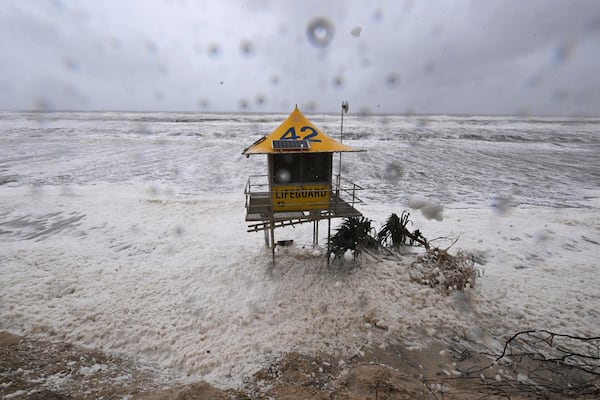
(275, 79)
(502, 205)
(151, 47)
(364, 111)
(244, 104)
(152, 190)
(320, 31)
(593, 24)
(163, 69)
(534, 80)
(542, 236)
(564, 51)
(560, 95)
(283, 176)
(429, 67)
(260, 99)
(421, 122)
(69, 63)
(438, 29)
(429, 209)
(523, 111)
(178, 231)
(115, 43)
(356, 31)
(247, 48)
(203, 104)
(338, 81)
(214, 50)
(41, 104)
(394, 172)
(378, 15)
(393, 79)
(310, 106)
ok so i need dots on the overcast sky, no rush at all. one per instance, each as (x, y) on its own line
(523, 57)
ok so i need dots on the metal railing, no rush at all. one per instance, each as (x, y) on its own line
(254, 186)
(342, 191)
(351, 188)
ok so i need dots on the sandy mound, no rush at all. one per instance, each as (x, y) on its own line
(35, 369)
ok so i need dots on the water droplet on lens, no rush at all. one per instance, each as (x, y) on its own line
(41, 103)
(393, 79)
(534, 80)
(260, 99)
(560, 95)
(151, 47)
(429, 67)
(523, 111)
(438, 29)
(338, 81)
(178, 231)
(115, 43)
(364, 111)
(70, 63)
(203, 104)
(378, 15)
(275, 79)
(163, 69)
(542, 236)
(356, 31)
(247, 48)
(394, 172)
(283, 176)
(502, 205)
(564, 51)
(320, 31)
(214, 50)
(310, 106)
(244, 104)
(421, 122)
(152, 190)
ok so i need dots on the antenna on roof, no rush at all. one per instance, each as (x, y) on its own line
(344, 111)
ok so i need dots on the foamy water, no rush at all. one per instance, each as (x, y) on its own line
(126, 232)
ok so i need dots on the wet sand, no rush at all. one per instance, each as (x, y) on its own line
(36, 369)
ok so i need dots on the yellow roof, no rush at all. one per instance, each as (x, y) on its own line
(296, 127)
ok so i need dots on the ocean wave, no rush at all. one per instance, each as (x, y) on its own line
(443, 157)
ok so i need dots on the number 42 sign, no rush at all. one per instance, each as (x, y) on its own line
(309, 134)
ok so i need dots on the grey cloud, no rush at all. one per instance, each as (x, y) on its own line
(492, 57)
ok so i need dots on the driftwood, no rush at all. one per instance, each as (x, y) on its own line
(538, 364)
(439, 269)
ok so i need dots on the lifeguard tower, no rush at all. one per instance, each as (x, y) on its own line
(299, 185)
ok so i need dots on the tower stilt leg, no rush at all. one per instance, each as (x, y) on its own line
(267, 241)
(328, 238)
(273, 240)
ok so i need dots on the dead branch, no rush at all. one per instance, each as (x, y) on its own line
(438, 268)
(541, 363)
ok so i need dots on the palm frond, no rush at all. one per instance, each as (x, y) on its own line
(353, 234)
(396, 234)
